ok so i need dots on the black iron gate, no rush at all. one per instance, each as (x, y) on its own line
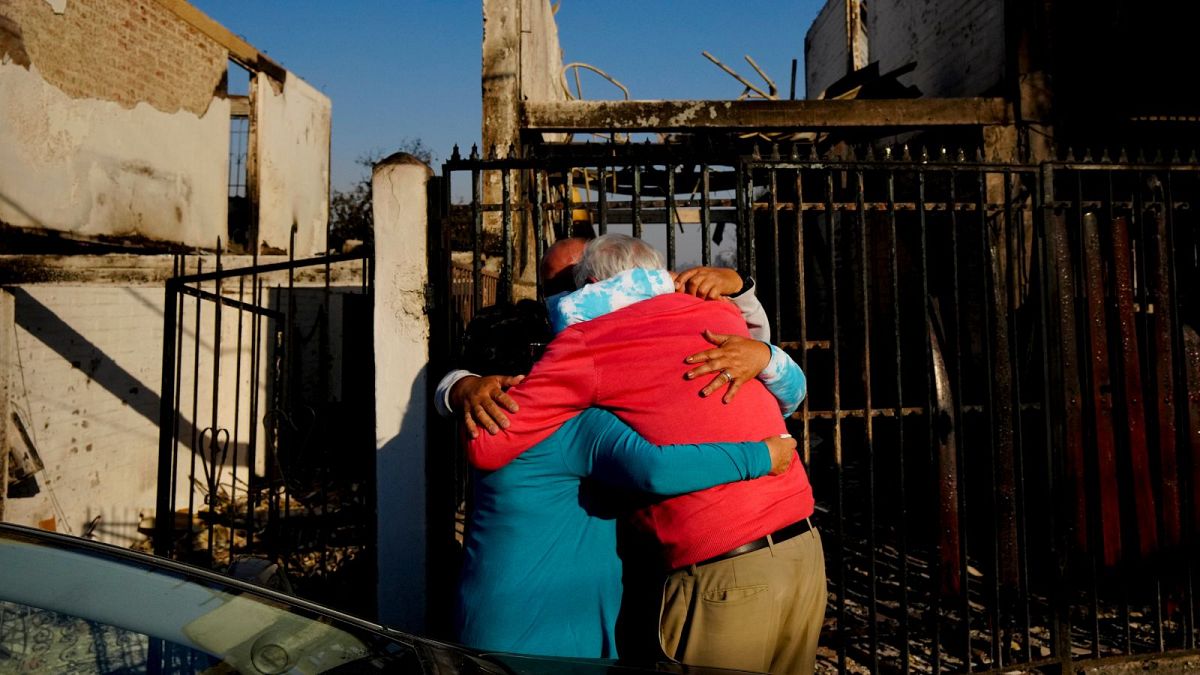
(266, 436)
(1003, 423)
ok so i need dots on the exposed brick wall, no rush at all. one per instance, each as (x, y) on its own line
(127, 51)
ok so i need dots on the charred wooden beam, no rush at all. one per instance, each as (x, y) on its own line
(1064, 295)
(1131, 379)
(1103, 411)
(1163, 377)
(573, 116)
(239, 106)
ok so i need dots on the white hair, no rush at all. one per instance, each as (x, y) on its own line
(611, 254)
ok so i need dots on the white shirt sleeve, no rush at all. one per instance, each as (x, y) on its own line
(441, 398)
(782, 376)
(753, 313)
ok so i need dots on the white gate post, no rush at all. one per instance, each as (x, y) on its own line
(401, 329)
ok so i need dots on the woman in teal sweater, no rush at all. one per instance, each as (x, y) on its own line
(541, 573)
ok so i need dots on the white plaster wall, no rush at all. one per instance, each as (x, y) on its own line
(401, 383)
(293, 127)
(85, 380)
(94, 168)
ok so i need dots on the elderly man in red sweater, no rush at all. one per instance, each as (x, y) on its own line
(746, 575)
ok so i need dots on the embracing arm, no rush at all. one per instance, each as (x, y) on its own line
(785, 380)
(715, 283)
(561, 384)
(476, 400)
(612, 452)
(752, 311)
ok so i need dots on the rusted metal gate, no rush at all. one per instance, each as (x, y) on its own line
(266, 436)
(1003, 421)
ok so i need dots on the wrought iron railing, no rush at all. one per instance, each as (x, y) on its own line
(1003, 423)
(266, 436)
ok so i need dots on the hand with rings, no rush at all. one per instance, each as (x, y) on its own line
(736, 360)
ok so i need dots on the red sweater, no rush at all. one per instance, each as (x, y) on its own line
(631, 362)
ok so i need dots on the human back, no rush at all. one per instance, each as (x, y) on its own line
(639, 370)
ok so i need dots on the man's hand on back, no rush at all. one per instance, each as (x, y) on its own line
(481, 402)
(708, 283)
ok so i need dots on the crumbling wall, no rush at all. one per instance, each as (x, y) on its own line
(293, 122)
(85, 388)
(825, 48)
(108, 123)
(125, 51)
(958, 44)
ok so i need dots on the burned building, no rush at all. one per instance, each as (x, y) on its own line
(1104, 77)
(121, 150)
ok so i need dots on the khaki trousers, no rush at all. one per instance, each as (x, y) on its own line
(760, 611)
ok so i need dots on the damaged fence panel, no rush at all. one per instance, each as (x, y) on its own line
(278, 462)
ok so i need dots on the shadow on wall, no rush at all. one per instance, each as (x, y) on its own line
(20, 209)
(83, 355)
(402, 524)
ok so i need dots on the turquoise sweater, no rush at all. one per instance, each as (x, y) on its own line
(541, 573)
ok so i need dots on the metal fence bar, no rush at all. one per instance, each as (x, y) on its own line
(164, 508)
(476, 237)
(705, 218)
(539, 223)
(869, 451)
(237, 409)
(1184, 434)
(963, 571)
(215, 459)
(191, 509)
(506, 272)
(746, 231)
(568, 213)
(1016, 286)
(905, 645)
(671, 217)
(935, 612)
(831, 218)
(776, 296)
(801, 306)
(256, 344)
(636, 197)
(602, 199)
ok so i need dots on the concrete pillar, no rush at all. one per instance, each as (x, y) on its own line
(522, 61)
(401, 373)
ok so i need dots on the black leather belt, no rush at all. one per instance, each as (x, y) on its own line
(778, 536)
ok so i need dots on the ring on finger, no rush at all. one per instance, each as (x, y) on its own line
(728, 377)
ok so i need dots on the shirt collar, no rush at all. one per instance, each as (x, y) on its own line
(617, 292)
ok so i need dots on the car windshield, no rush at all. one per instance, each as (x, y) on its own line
(68, 609)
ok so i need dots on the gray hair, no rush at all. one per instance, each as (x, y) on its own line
(611, 254)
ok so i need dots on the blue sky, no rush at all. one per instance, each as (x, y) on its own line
(409, 69)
